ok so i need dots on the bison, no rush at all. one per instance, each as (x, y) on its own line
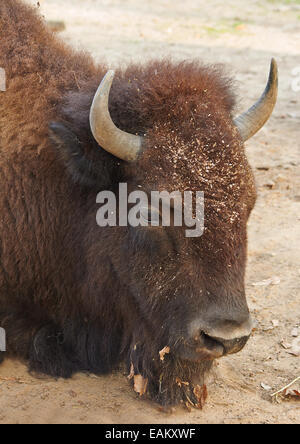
(78, 297)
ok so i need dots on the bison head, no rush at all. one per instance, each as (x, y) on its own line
(184, 295)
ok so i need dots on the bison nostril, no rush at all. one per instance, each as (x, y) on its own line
(231, 332)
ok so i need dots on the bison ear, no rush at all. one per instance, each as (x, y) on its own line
(68, 149)
(88, 169)
(61, 135)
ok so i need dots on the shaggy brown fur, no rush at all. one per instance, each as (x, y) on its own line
(77, 297)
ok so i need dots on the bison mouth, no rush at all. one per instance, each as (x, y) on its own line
(206, 348)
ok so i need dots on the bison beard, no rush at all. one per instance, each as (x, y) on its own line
(74, 297)
(169, 382)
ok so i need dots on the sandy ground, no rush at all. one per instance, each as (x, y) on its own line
(244, 36)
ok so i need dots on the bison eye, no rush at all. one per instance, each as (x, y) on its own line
(151, 216)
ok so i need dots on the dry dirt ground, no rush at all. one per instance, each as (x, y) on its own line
(244, 36)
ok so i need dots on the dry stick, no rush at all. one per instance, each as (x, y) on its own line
(285, 387)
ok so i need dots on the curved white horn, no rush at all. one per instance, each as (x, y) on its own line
(254, 119)
(123, 145)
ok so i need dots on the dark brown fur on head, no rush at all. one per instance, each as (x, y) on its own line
(74, 296)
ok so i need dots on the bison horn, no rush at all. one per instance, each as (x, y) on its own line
(253, 120)
(123, 145)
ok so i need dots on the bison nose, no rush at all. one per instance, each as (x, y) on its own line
(229, 334)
